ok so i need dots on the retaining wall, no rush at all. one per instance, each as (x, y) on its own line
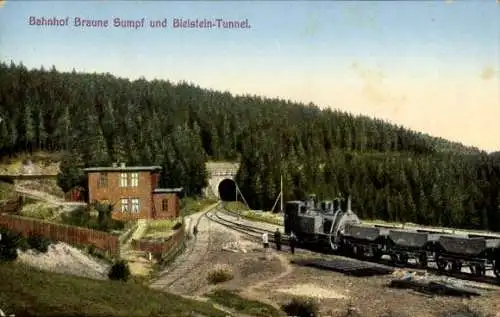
(160, 247)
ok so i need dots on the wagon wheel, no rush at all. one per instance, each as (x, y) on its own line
(441, 263)
(422, 260)
(354, 250)
(456, 266)
(403, 259)
(496, 268)
(477, 270)
(394, 258)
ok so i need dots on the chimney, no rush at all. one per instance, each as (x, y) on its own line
(115, 164)
(122, 164)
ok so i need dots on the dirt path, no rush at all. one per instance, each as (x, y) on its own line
(138, 262)
(38, 195)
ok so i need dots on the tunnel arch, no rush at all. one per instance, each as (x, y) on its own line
(227, 190)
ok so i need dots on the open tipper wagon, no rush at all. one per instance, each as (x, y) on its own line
(479, 254)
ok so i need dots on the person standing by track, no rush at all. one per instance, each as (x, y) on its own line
(265, 240)
(277, 239)
(292, 242)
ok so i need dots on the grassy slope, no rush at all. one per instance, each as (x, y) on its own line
(192, 205)
(25, 291)
(239, 207)
(241, 305)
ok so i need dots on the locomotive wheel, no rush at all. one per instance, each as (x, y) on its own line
(377, 255)
(496, 268)
(335, 247)
(349, 250)
(359, 252)
(422, 260)
(456, 266)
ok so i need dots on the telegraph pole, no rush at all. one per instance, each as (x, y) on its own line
(281, 191)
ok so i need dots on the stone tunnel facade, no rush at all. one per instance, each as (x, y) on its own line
(217, 172)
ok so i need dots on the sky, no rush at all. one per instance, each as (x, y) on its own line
(431, 66)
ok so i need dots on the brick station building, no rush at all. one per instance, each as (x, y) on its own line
(133, 191)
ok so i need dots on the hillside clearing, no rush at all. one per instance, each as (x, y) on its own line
(6, 191)
(43, 162)
(65, 259)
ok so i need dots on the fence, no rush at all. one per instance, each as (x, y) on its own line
(73, 235)
(160, 247)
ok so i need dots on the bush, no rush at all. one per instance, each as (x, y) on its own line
(301, 307)
(79, 217)
(82, 217)
(219, 274)
(120, 271)
(91, 250)
(9, 243)
(39, 211)
(177, 226)
(38, 243)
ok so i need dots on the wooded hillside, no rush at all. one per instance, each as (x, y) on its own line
(391, 172)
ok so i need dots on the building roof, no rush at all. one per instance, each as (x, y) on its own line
(167, 190)
(119, 168)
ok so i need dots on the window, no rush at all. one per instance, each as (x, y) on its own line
(134, 179)
(123, 180)
(103, 180)
(164, 205)
(135, 205)
(124, 205)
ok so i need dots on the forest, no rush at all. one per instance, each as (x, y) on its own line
(392, 173)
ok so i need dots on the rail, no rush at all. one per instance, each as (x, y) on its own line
(253, 232)
(189, 250)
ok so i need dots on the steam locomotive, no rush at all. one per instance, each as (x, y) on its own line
(332, 224)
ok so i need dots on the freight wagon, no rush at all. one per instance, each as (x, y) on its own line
(332, 224)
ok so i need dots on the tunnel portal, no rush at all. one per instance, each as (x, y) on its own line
(227, 190)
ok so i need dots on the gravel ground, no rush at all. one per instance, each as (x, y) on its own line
(65, 259)
(369, 295)
(215, 245)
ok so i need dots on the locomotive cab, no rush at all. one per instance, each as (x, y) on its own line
(292, 210)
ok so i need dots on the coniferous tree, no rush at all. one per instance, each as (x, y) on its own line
(394, 173)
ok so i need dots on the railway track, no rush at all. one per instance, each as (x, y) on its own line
(252, 232)
(185, 264)
(255, 233)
